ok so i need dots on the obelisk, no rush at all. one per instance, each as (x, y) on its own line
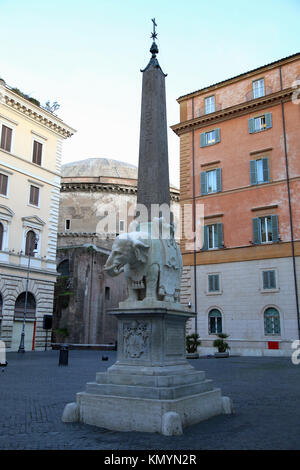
(153, 172)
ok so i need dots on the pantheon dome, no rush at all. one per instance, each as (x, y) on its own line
(95, 167)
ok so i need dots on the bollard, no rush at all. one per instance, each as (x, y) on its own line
(63, 355)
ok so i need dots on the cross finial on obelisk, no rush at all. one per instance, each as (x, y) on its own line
(154, 33)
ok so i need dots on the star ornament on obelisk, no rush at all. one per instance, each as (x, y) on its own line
(153, 173)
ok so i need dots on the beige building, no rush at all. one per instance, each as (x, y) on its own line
(30, 159)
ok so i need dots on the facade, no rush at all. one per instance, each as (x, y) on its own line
(240, 158)
(30, 159)
(90, 189)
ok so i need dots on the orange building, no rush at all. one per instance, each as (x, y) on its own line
(240, 158)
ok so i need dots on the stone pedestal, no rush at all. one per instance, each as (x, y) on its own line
(151, 387)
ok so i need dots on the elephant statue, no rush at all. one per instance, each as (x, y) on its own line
(152, 266)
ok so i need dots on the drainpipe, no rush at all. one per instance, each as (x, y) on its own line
(194, 222)
(290, 208)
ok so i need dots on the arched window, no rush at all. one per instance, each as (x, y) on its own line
(1, 236)
(63, 268)
(214, 321)
(30, 243)
(20, 305)
(272, 321)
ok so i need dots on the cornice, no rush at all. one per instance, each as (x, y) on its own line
(44, 118)
(233, 111)
(106, 188)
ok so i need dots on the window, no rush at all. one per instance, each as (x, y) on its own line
(209, 104)
(1, 235)
(34, 196)
(258, 87)
(259, 171)
(209, 138)
(272, 321)
(260, 123)
(265, 229)
(64, 268)
(37, 152)
(269, 279)
(214, 322)
(67, 224)
(3, 184)
(107, 293)
(20, 306)
(213, 283)
(121, 225)
(31, 243)
(6, 138)
(210, 181)
(213, 237)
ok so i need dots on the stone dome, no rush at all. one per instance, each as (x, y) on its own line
(95, 167)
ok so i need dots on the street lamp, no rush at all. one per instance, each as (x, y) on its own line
(31, 251)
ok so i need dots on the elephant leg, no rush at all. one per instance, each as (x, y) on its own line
(133, 294)
(151, 282)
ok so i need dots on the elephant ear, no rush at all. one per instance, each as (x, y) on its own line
(141, 251)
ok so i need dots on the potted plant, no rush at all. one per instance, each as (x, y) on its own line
(192, 343)
(221, 345)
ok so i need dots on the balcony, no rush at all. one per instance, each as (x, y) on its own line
(258, 93)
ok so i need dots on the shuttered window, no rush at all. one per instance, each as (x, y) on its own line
(210, 138)
(211, 181)
(265, 229)
(37, 152)
(260, 123)
(213, 283)
(6, 138)
(34, 195)
(259, 171)
(3, 184)
(213, 236)
(269, 279)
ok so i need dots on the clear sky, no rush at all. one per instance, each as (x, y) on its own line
(87, 55)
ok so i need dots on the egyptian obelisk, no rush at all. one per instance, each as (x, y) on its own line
(153, 173)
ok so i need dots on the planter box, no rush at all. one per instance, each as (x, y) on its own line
(192, 355)
(224, 354)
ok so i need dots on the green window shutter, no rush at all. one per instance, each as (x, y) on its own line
(217, 284)
(253, 173)
(203, 140)
(210, 283)
(272, 280)
(219, 179)
(217, 135)
(203, 182)
(275, 234)
(268, 120)
(256, 230)
(251, 125)
(266, 169)
(265, 280)
(220, 235)
(205, 242)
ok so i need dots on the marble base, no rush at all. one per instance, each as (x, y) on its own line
(151, 387)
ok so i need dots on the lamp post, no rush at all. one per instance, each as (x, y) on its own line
(30, 252)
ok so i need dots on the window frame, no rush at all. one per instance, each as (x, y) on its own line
(12, 128)
(253, 88)
(204, 137)
(209, 106)
(257, 229)
(273, 334)
(67, 229)
(254, 171)
(39, 196)
(210, 332)
(269, 290)
(214, 292)
(39, 141)
(7, 186)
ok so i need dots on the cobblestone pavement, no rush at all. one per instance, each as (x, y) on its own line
(34, 391)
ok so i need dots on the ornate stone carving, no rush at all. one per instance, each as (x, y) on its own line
(136, 339)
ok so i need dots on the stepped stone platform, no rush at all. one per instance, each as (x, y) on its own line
(151, 387)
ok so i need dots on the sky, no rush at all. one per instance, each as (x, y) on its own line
(87, 56)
